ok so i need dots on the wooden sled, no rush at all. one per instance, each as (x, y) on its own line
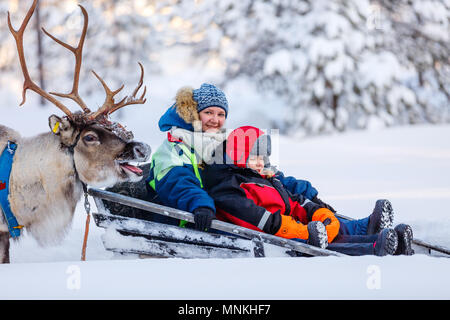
(131, 229)
(133, 226)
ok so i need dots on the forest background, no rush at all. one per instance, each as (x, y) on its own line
(314, 66)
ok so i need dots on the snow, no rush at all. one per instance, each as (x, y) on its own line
(387, 68)
(317, 278)
(280, 61)
(408, 165)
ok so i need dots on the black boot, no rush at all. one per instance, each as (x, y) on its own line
(386, 243)
(405, 237)
(317, 234)
(381, 218)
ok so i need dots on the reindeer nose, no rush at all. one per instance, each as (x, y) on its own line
(141, 151)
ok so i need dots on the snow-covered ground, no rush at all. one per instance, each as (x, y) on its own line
(408, 165)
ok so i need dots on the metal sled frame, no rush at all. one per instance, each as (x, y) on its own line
(136, 236)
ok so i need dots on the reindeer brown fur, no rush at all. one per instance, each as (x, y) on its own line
(49, 170)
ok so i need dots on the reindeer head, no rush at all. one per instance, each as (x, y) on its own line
(102, 149)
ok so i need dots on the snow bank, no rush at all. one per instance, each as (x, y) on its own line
(416, 277)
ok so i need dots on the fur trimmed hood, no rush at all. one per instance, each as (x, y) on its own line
(183, 113)
(186, 106)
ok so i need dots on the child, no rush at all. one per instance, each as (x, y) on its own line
(246, 193)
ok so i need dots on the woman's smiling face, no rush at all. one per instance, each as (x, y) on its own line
(212, 118)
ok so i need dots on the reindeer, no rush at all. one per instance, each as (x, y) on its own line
(51, 170)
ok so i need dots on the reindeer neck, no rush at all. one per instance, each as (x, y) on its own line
(45, 170)
(50, 155)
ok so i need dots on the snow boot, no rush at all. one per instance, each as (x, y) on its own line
(386, 243)
(317, 234)
(381, 218)
(405, 237)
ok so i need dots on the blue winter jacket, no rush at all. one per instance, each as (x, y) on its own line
(174, 173)
(296, 186)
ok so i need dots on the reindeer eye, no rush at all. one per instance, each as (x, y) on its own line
(90, 138)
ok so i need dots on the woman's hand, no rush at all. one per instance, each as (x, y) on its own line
(203, 217)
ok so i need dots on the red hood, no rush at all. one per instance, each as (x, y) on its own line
(240, 142)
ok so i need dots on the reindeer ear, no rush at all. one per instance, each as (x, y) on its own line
(58, 125)
(54, 123)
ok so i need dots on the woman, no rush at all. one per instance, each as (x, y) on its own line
(194, 130)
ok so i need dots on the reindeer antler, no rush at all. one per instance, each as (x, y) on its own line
(28, 83)
(109, 106)
(78, 52)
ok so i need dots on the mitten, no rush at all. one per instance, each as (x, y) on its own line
(203, 217)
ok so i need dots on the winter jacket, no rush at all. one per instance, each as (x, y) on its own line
(297, 186)
(243, 197)
(175, 171)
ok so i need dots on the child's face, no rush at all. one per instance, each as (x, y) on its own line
(256, 163)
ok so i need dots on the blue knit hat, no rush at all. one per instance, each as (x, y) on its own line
(210, 96)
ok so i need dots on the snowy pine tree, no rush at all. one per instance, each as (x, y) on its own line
(122, 34)
(336, 64)
(421, 37)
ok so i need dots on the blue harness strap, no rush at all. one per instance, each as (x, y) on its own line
(6, 160)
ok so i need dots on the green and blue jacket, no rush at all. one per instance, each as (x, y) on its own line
(175, 174)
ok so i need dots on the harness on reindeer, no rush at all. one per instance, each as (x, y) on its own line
(6, 160)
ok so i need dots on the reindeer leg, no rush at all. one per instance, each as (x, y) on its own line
(4, 247)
